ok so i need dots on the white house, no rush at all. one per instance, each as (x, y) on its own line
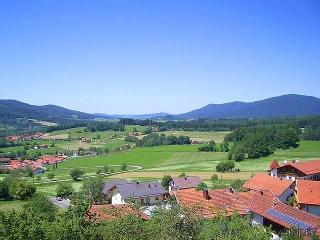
(145, 193)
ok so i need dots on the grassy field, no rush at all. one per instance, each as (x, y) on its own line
(187, 158)
(218, 137)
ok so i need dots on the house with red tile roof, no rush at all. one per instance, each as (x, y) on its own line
(271, 186)
(210, 203)
(308, 170)
(185, 182)
(108, 212)
(273, 213)
(308, 196)
(267, 211)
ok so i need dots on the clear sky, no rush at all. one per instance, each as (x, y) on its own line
(149, 56)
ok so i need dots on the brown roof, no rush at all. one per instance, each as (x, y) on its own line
(266, 183)
(187, 182)
(221, 200)
(308, 192)
(274, 164)
(308, 167)
(110, 212)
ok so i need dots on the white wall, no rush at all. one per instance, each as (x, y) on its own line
(116, 198)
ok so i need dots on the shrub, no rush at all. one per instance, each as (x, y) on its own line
(123, 167)
(165, 181)
(76, 173)
(225, 166)
(64, 190)
(50, 175)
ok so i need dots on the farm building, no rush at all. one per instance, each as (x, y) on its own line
(308, 170)
(271, 186)
(308, 196)
(186, 182)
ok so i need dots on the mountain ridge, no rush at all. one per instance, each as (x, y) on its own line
(280, 106)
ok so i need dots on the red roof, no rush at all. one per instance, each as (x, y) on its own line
(262, 205)
(264, 182)
(110, 212)
(220, 200)
(308, 167)
(308, 192)
(274, 164)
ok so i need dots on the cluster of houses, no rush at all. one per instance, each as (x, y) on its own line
(25, 137)
(38, 165)
(266, 198)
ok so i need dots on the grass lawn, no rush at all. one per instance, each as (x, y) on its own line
(218, 137)
(12, 205)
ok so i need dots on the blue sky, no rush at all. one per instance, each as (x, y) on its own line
(149, 56)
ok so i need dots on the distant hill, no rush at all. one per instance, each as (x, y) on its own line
(286, 105)
(137, 116)
(10, 109)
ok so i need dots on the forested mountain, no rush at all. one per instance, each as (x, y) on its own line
(12, 109)
(286, 105)
(133, 116)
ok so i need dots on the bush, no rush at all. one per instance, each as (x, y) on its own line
(50, 175)
(64, 190)
(225, 166)
(123, 167)
(165, 181)
(237, 184)
(4, 190)
(22, 190)
(201, 186)
(76, 173)
(106, 169)
(214, 177)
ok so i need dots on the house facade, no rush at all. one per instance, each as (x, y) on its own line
(307, 170)
(144, 193)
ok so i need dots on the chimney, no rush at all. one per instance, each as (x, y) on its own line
(149, 186)
(205, 193)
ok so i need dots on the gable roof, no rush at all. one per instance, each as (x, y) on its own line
(308, 192)
(307, 167)
(110, 184)
(221, 200)
(274, 164)
(110, 212)
(143, 189)
(282, 214)
(264, 182)
(186, 182)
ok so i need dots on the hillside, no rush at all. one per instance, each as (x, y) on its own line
(286, 105)
(12, 109)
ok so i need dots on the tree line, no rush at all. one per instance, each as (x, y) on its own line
(158, 140)
(261, 141)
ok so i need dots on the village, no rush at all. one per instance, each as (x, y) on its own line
(267, 198)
